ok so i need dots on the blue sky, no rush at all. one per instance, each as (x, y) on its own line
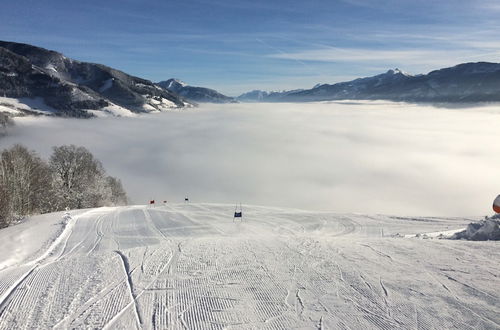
(236, 46)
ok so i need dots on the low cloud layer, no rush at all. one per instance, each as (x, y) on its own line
(374, 157)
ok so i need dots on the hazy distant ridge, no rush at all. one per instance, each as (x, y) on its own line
(468, 82)
(193, 93)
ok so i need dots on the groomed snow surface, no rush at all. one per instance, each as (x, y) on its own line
(189, 266)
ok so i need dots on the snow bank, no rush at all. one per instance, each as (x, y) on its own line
(485, 230)
(436, 234)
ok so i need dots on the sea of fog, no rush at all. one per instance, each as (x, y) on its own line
(369, 157)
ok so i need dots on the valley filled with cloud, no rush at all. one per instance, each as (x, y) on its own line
(367, 157)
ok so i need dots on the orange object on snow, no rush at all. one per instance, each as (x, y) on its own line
(496, 204)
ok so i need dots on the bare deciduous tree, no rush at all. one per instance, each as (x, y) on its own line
(5, 212)
(118, 195)
(78, 177)
(73, 179)
(27, 180)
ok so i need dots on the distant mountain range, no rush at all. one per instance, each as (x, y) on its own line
(264, 96)
(35, 79)
(468, 82)
(196, 94)
(72, 88)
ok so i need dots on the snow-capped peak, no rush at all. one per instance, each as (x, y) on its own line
(397, 71)
(174, 82)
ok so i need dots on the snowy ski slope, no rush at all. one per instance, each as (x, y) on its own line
(189, 266)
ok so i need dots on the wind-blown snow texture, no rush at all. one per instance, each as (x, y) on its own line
(189, 266)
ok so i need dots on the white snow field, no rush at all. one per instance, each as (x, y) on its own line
(189, 266)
